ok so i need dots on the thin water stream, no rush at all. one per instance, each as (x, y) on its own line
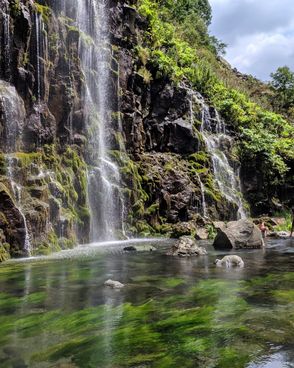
(218, 142)
(172, 312)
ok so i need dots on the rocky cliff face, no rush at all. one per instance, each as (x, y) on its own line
(43, 182)
(162, 124)
(167, 169)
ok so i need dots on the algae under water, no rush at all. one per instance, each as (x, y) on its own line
(173, 312)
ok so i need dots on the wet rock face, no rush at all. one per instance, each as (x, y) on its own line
(242, 234)
(170, 184)
(168, 125)
(42, 128)
(157, 122)
(12, 118)
(11, 223)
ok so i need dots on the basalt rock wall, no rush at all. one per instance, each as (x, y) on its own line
(166, 167)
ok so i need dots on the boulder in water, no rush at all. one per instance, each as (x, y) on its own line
(114, 284)
(130, 248)
(139, 248)
(283, 234)
(202, 234)
(229, 261)
(185, 246)
(242, 234)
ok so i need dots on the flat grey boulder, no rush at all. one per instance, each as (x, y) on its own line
(114, 284)
(185, 246)
(242, 234)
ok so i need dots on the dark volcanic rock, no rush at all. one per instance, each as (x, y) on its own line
(11, 223)
(242, 234)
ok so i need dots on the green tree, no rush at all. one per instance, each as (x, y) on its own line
(180, 9)
(283, 84)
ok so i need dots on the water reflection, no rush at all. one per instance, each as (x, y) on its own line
(173, 312)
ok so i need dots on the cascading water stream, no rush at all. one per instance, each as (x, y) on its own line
(38, 45)
(202, 187)
(104, 193)
(5, 41)
(40, 53)
(217, 141)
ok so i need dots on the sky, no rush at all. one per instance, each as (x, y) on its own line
(259, 34)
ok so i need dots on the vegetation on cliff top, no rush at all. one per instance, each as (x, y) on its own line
(179, 46)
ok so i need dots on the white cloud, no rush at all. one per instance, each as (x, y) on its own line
(260, 34)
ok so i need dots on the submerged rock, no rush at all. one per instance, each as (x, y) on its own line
(278, 234)
(242, 234)
(283, 234)
(114, 284)
(186, 247)
(130, 249)
(139, 248)
(230, 261)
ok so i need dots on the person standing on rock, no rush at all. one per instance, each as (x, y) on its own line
(263, 229)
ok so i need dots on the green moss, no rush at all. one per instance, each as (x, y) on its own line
(145, 74)
(211, 231)
(143, 228)
(152, 209)
(200, 157)
(26, 159)
(4, 252)
(44, 11)
(15, 7)
(83, 214)
(3, 167)
(49, 246)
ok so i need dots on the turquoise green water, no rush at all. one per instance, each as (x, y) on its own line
(172, 312)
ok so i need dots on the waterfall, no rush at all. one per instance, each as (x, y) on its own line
(104, 194)
(218, 143)
(191, 94)
(40, 54)
(5, 41)
(38, 44)
(12, 113)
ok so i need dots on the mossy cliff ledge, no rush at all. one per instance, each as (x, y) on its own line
(170, 142)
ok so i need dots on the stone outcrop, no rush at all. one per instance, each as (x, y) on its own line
(186, 247)
(242, 234)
